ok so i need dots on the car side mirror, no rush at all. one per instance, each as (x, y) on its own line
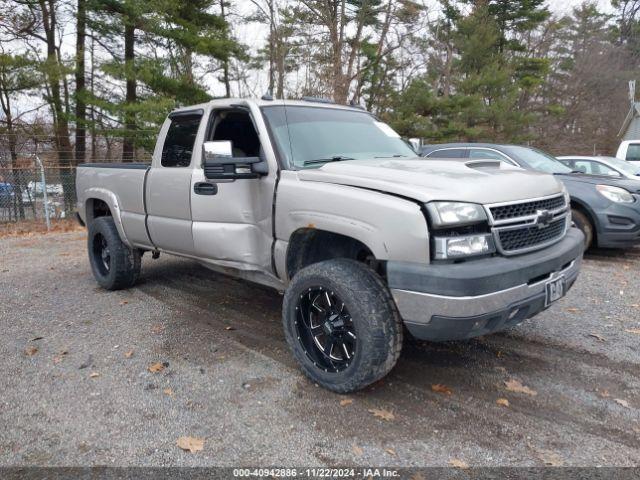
(219, 163)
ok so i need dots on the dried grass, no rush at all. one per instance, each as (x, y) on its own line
(28, 228)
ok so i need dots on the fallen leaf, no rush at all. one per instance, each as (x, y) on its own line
(514, 385)
(190, 444)
(94, 375)
(30, 351)
(604, 393)
(157, 329)
(550, 458)
(382, 413)
(440, 388)
(598, 336)
(124, 302)
(636, 331)
(87, 363)
(503, 402)
(128, 354)
(619, 401)
(573, 310)
(168, 391)
(229, 328)
(156, 367)
(455, 463)
(390, 451)
(357, 450)
(345, 402)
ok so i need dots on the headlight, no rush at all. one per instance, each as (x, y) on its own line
(615, 194)
(463, 246)
(455, 213)
(567, 197)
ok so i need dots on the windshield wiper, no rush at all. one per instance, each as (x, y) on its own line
(397, 155)
(335, 158)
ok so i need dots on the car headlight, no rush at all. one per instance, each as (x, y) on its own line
(463, 246)
(615, 194)
(567, 197)
(455, 213)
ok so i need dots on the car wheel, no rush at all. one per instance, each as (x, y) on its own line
(342, 324)
(114, 265)
(585, 226)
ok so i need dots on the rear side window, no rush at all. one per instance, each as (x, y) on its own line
(448, 153)
(479, 153)
(181, 137)
(633, 152)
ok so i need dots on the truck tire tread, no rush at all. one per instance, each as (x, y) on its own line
(380, 330)
(125, 262)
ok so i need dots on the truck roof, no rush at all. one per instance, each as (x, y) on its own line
(222, 102)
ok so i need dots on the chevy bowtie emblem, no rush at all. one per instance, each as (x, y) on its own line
(543, 218)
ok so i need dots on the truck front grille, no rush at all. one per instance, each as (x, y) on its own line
(521, 227)
(515, 210)
(528, 237)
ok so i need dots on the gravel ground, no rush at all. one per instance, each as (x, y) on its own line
(86, 395)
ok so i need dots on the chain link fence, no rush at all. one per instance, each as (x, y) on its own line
(37, 181)
(36, 194)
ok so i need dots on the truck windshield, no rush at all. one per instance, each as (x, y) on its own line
(309, 137)
(538, 160)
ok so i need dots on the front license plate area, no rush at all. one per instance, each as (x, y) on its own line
(555, 290)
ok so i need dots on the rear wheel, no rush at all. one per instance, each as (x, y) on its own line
(585, 226)
(342, 325)
(114, 265)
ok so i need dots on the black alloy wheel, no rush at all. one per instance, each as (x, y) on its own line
(101, 251)
(325, 329)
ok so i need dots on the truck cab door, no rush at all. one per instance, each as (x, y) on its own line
(168, 186)
(233, 227)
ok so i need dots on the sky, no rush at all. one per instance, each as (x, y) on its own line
(253, 34)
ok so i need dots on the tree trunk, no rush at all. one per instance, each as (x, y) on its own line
(81, 107)
(225, 62)
(128, 146)
(61, 122)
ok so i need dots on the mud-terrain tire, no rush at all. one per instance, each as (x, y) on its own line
(114, 265)
(584, 225)
(368, 311)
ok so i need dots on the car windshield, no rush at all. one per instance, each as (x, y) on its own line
(623, 165)
(538, 160)
(309, 137)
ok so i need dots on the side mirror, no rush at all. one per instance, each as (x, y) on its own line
(219, 163)
(217, 149)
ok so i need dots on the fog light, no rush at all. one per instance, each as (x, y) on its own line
(463, 246)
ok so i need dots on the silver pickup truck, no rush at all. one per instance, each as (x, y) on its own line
(330, 205)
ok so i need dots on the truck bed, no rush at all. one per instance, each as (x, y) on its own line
(122, 187)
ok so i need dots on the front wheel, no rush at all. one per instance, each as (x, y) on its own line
(584, 225)
(342, 324)
(114, 265)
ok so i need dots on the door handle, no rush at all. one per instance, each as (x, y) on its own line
(205, 188)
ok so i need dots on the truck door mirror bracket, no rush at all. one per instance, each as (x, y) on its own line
(219, 163)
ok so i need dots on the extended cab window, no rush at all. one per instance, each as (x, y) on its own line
(181, 137)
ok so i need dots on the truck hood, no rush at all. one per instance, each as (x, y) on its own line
(427, 180)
